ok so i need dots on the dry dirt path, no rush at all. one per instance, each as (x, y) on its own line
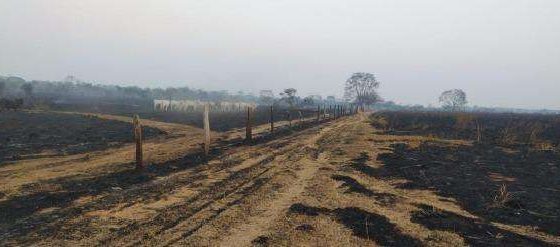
(64, 191)
(178, 140)
(257, 225)
(319, 186)
(260, 171)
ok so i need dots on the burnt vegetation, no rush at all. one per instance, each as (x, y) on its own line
(500, 167)
(26, 135)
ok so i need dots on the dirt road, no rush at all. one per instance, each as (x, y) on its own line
(320, 186)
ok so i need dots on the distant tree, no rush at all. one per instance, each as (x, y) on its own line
(361, 88)
(27, 89)
(453, 100)
(203, 95)
(72, 79)
(331, 99)
(317, 99)
(15, 79)
(266, 97)
(309, 101)
(171, 93)
(289, 95)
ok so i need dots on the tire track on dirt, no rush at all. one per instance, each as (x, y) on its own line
(174, 220)
(44, 223)
(218, 187)
(294, 153)
(257, 225)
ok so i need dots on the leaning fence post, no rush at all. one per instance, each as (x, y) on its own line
(271, 119)
(248, 129)
(206, 130)
(138, 140)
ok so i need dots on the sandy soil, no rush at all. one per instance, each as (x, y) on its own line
(320, 185)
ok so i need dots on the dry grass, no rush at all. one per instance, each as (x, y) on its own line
(323, 186)
(502, 197)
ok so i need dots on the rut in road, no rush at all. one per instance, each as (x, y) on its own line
(256, 226)
(223, 190)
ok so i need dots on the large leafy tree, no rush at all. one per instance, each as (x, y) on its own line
(453, 100)
(361, 88)
(289, 96)
(27, 89)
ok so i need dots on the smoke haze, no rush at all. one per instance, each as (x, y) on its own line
(501, 52)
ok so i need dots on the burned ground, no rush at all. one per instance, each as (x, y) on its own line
(334, 183)
(26, 135)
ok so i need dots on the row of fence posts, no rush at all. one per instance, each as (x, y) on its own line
(333, 112)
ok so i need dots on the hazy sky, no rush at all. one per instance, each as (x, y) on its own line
(501, 52)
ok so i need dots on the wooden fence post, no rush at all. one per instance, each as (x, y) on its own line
(336, 111)
(206, 130)
(271, 119)
(318, 113)
(478, 132)
(249, 129)
(290, 118)
(138, 140)
(339, 111)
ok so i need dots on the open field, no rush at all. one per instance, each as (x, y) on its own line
(224, 120)
(346, 182)
(26, 135)
(503, 129)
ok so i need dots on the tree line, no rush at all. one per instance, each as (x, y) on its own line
(360, 89)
